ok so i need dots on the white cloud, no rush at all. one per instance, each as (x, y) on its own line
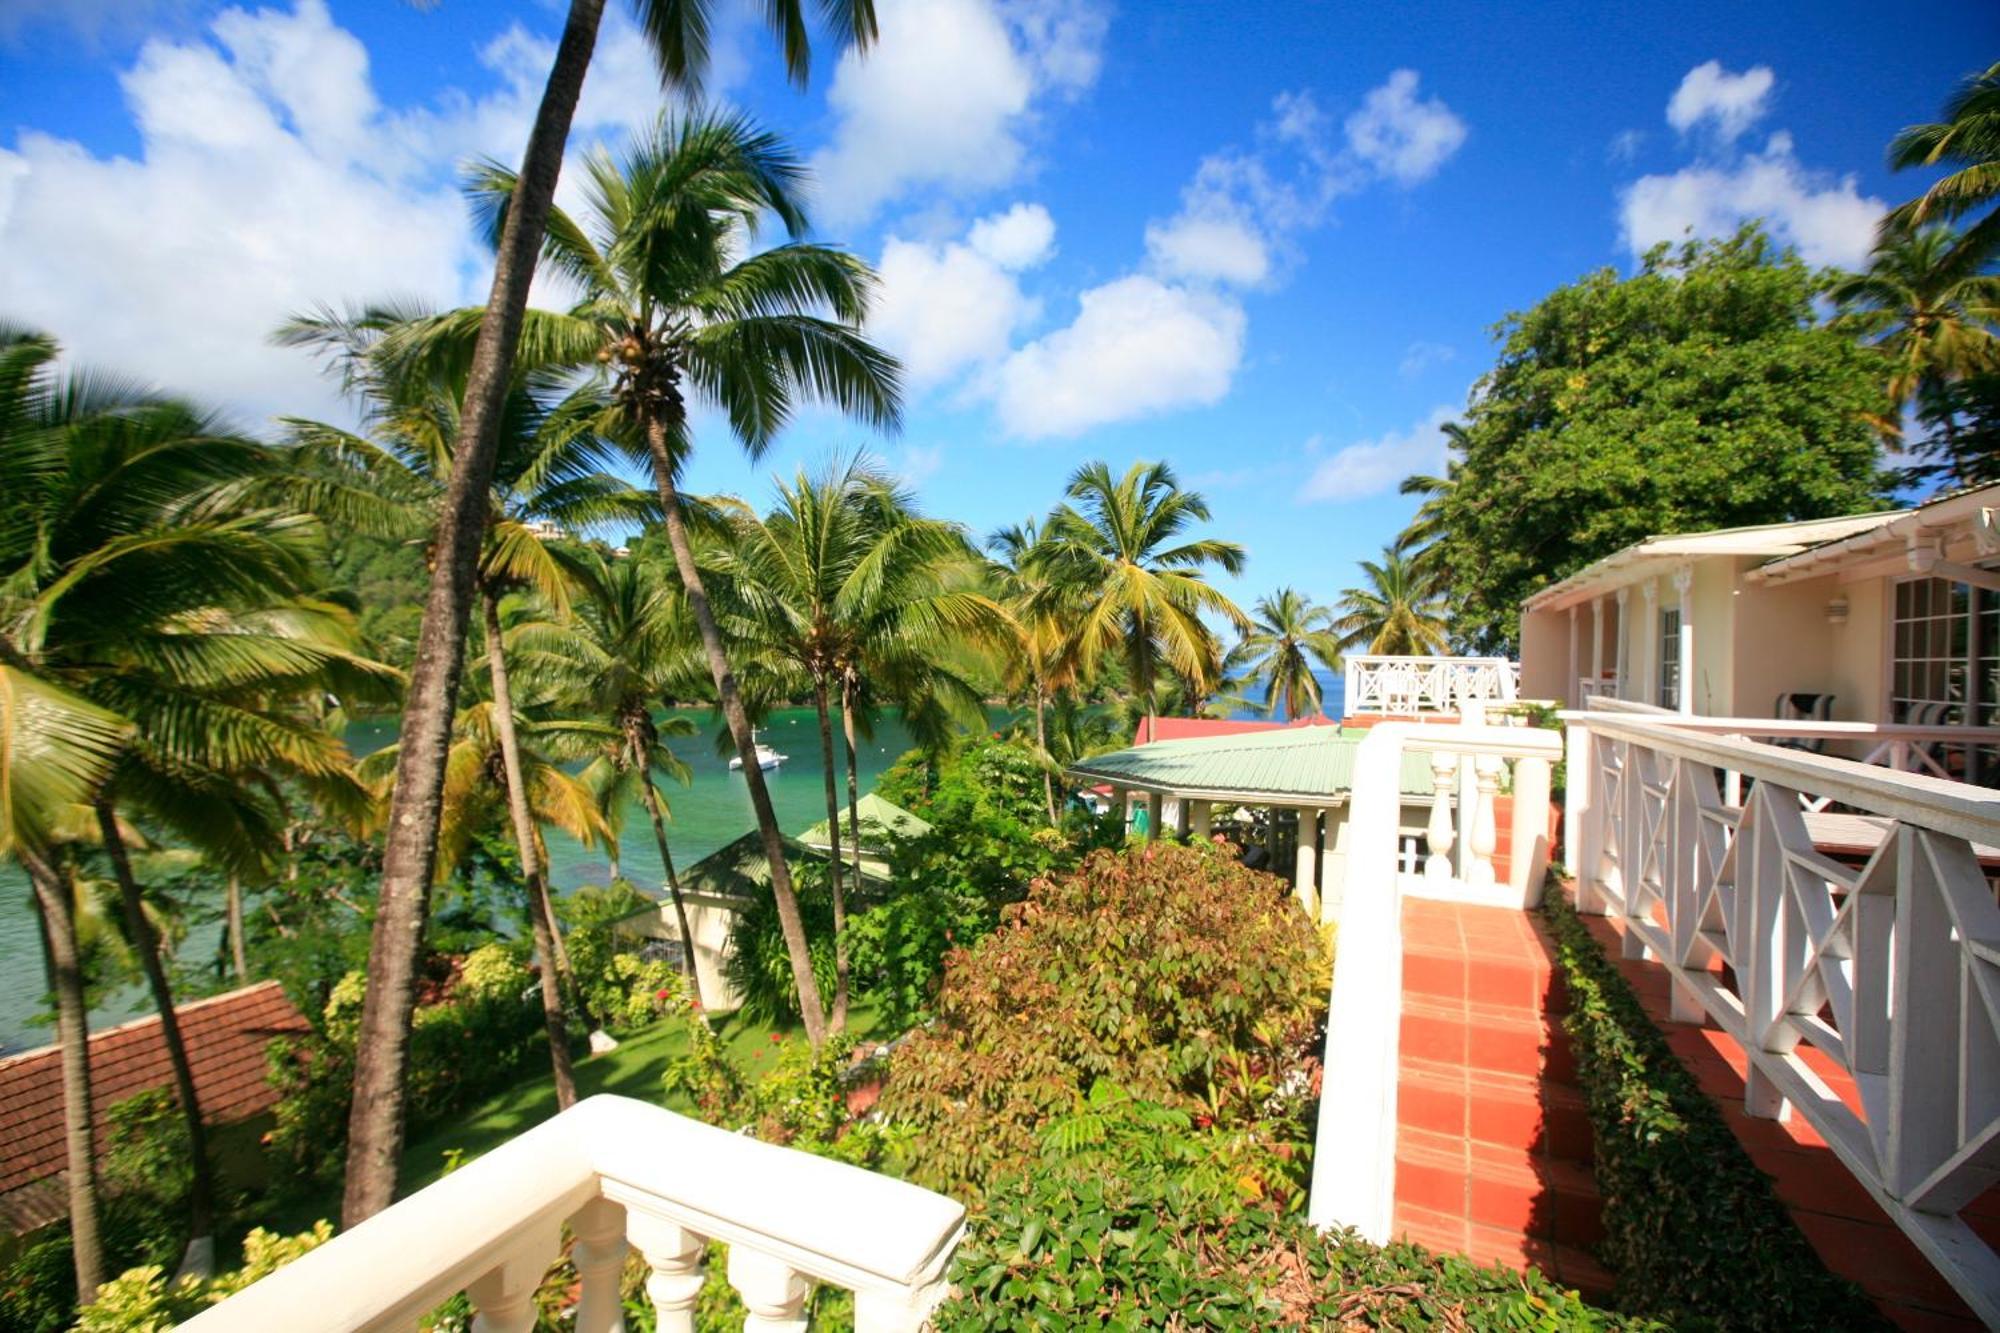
(945, 98)
(1374, 467)
(1400, 137)
(1829, 220)
(1214, 248)
(1138, 347)
(1730, 103)
(1624, 147)
(1022, 237)
(1420, 356)
(269, 180)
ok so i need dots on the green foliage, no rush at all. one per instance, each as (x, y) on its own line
(801, 1102)
(759, 967)
(1701, 392)
(142, 1300)
(1136, 1215)
(474, 1038)
(1171, 971)
(1691, 1225)
(618, 989)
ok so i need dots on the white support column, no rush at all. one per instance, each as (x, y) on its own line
(504, 1296)
(1573, 692)
(772, 1289)
(1305, 868)
(1530, 861)
(1596, 642)
(1198, 816)
(1155, 815)
(1482, 833)
(599, 1255)
(1623, 657)
(674, 1254)
(1183, 817)
(1651, 592)
(1684, 585)
(1439, 836)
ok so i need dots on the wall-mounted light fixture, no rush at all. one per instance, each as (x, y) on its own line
(1836, 610)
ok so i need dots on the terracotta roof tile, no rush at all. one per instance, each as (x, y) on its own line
(226, 1036)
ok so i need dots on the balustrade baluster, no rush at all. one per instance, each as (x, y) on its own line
(599, 1256)
(1444, 772)
(674, 1254)
(1483, 836)
(503, 1298)
(774, 1291)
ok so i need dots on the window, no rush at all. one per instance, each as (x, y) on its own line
(1670, 658)
(1945, 669)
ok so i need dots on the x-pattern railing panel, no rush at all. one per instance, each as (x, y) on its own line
(1889, 972)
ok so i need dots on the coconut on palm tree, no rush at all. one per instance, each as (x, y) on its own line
(678, 33)
(1398, 611)
(1122, 546)
(673, 310)
(1289, 633)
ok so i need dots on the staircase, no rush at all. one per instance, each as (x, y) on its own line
(1493, 1144)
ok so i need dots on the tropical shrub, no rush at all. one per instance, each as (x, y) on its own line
(1690, 1223)
(1171, 971)
(801, 1102)
(759, 967)
(617, 986)
(1134, 1215)
(142, 1300)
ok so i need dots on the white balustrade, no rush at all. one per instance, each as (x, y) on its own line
(622, 1175)
(1888, 973)
(1412, 686)
(1354, 1168)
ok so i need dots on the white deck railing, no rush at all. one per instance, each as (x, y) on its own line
(1890, 972)
(622, 1175)
(1354, 1165)
(1413, 686)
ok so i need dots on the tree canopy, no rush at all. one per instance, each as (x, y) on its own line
(1703, 391)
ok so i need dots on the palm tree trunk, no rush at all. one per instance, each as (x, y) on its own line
(731, 701)
(838, 1021)
(1042, 743)
(688, 969)
(56, 909)
(200, 1256)
(237, 958)
(540, 919)
(840, 964)
(382, 1052)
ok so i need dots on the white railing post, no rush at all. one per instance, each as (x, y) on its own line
(674, 1254)
(772, 1289)
(1484, 836)
(599, 1255)
(503, 1297)
(1438, 836)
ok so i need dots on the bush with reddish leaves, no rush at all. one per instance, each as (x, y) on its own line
(1171, 971)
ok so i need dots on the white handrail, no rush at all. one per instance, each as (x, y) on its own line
(1410, 686)
(1354, 1164)
(622, 1172)
(1890, 972)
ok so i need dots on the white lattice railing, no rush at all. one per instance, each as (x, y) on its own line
(622, 1175)
(1412, 686)
(1889, 972)
(1354, 1166)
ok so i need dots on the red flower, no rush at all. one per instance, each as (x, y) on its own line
(660, 994)
(693, 1004)
(776, 1038)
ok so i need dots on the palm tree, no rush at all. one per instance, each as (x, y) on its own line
(1926, 304)
(846, 586)
(1141, 589)
(1968, 138)
(1041, 611)
(628, 648)
(1399, 612)
(549, 478)
(1423, 536)
(1289, 633)
(151, 625)
(678, 32)
(670, 306)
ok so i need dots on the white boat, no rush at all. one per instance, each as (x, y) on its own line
(767, 758)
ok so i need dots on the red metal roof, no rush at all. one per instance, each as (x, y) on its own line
(1189, 728)
(225, 1034)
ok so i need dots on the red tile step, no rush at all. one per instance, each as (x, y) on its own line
(1498, 1110)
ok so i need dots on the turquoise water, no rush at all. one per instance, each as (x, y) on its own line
(714, 809)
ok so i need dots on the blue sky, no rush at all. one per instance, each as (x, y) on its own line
(1265, 242)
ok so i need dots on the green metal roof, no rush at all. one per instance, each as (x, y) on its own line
(1297, 763)
(877, 817)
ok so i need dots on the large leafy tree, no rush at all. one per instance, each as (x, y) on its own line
(1928, 303)
(678, 33)
(1704, 391)
(672, 307)
(1288, 633)
(549, 479)
(154, 631)
(845, 585)
(1122, 545)
(1397, 610)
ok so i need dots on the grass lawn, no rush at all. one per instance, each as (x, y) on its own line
(633, 1070)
